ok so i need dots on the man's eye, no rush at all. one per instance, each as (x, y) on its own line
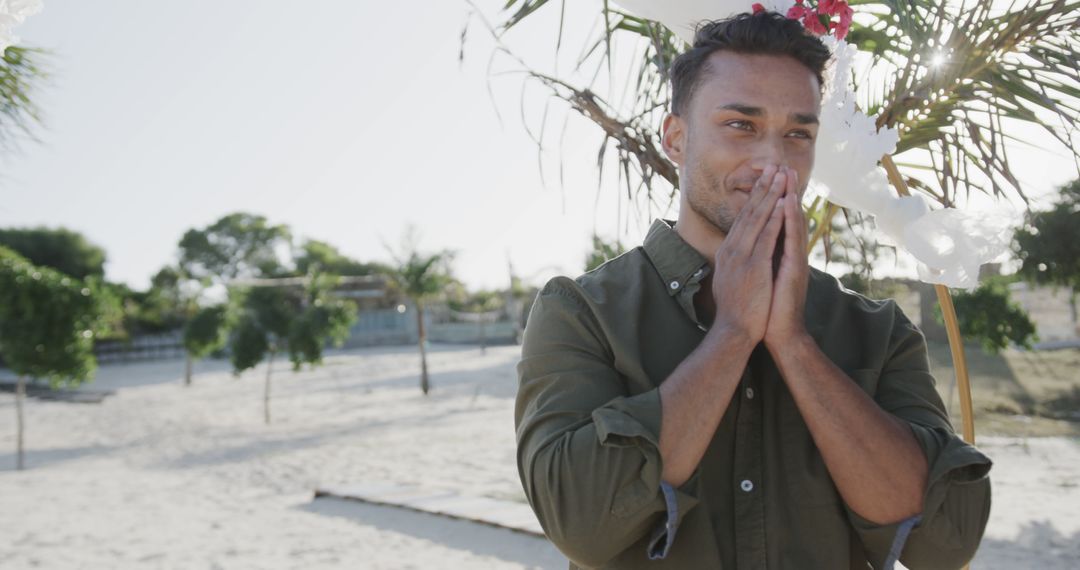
(741, 125)
(801, 134)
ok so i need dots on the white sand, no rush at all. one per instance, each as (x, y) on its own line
(163, 476)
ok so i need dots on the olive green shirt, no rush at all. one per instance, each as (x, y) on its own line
(588, 413)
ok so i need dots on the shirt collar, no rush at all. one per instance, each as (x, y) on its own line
(675, 260)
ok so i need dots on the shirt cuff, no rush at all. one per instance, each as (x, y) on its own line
(635, 421)
(951, 461)
(664, 535)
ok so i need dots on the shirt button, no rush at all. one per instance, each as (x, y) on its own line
(749, 393)
(674, 285)
(747, 485)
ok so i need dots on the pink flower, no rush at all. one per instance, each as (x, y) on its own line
(797, 11)
(813, 24)
(828, 7)
(845, 20)
(757, 8)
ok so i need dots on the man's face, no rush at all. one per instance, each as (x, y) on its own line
(749, 111)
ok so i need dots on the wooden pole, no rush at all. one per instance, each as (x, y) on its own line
(952, 326)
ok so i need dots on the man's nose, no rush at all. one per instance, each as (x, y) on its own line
(768, 152)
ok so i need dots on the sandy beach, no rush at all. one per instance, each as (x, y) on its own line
(160, 475)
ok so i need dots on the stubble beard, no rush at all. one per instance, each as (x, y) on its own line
(706, 198)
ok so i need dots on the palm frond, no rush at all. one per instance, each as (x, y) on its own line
(21, 72)
(955, 77)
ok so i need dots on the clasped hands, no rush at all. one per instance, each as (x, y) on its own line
(751, 301)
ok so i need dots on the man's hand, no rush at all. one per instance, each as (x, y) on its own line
(742, 284)
(788, 303)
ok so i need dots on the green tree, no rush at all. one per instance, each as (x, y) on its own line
(206, 332)
(265, 315)
(1048, 246)
(421, 277)
(602, 252)
(238, 245)
(325, 319)
(320, 256)
(66, 251)
(988, 314)
(48, 321)
(168, 303)
(300, 321)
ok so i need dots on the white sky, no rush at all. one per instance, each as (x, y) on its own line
(345, 120)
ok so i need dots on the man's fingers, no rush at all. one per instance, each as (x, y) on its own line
(768, 203)
(766, 242)
(795, 242)
(761, 210)
(757, 193)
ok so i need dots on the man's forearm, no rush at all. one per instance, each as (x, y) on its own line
(872, 456)
(694, 398)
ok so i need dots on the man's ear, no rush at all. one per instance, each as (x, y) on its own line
(673, 137)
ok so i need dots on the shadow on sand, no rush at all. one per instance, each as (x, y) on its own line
(482, 540)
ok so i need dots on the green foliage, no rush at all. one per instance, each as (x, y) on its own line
(64, 250)
(236, 246)
(300, 321)
(318, 256)
(483, 301)
(989, 315)
(326, 321)
(48, 321)
(21, 70)
(602, 252)
(165, 306)
(1049, 245)
(422, 277)
(249, 344)
(207, 331)
(265, 317)
(273, 309)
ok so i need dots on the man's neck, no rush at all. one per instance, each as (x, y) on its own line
(700, 234)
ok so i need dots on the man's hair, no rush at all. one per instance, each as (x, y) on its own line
(766, 33)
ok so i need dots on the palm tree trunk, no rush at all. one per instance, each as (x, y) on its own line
(424, 385)
(187, 370)
(1072, 311)
(266, 391)
(20, 395)
(483, 335)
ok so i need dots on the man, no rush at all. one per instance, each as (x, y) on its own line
(707, 400)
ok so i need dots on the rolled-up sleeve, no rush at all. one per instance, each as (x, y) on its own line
(588, 451)
(956, 504)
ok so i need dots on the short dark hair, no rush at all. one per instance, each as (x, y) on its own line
(766, 32)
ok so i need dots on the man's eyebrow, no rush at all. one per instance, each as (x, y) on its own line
(744, 109)
(752, 111)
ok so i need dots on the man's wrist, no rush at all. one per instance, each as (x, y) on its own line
(729, 342)
(793, 349)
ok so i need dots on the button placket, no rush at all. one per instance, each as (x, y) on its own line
(748, 494)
